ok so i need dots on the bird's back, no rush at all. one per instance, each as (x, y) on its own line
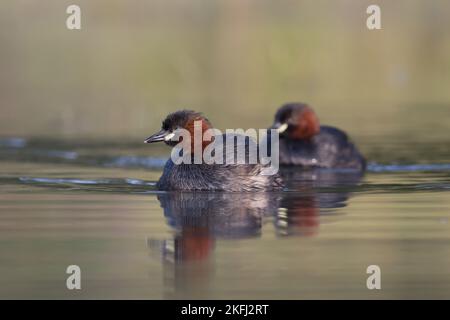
(330, 148)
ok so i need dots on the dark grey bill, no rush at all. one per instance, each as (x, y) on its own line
(157, 137)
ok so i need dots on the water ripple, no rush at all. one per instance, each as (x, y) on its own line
(62, 181)
(122, 186)
(136, 161)
(12, 142)
(374, 167)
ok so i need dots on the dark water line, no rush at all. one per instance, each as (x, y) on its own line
(126, 181)
(145, 162)
(374, 167)
(19, 149)
(129, 185)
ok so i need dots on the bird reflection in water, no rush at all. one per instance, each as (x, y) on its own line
(310, 196)
(200, 218)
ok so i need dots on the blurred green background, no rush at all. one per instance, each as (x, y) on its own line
(234, 60)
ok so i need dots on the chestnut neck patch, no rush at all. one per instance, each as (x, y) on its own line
(307, 125)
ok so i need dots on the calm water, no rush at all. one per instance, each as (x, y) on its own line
(95, 205)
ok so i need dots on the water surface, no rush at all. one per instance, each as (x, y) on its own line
(95, 205)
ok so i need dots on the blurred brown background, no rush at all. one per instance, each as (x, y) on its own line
(235, 60)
